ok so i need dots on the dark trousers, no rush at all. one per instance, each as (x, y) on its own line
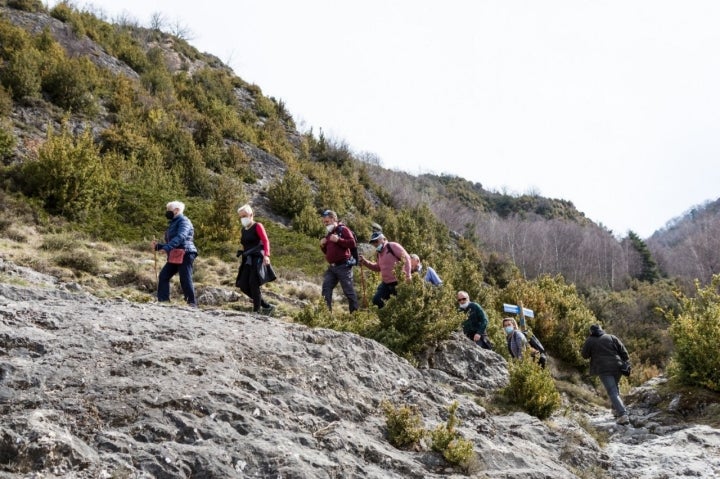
(249, 283)
(342, 274)
(383, 292)
(612, 386)
(185, 272)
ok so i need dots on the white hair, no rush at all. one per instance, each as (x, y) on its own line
(173, 205)
(246, 208)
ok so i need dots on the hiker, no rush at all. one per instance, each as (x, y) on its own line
(475, 325)
(337, 245)
(518, 342)
(388, 254)
(255, 255)
(607, 354)
(181, 251)
(430, 275)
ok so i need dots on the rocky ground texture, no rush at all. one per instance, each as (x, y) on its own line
(102, 388)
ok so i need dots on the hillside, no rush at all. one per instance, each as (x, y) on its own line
(110, 388)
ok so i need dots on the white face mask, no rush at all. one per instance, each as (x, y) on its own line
(464, 305)
(330, 227)
(245, 222)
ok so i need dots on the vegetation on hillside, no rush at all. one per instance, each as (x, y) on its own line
(170, 123)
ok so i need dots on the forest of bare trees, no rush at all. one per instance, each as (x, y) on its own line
(583, 252)
(689, 246)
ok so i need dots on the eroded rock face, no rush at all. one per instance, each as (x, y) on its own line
(94, 388)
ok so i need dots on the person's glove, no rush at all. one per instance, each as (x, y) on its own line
(239, 253)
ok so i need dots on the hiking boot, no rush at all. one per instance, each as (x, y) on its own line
(267, 309)
(622, 420)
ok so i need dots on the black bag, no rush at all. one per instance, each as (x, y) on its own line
(485, 342)
(535, 343)
(266, 273)
(625, 368)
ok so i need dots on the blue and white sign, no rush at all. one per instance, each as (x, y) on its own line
(513, 308)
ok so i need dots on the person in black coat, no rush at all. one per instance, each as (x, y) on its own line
(255, 256)
(607, 355)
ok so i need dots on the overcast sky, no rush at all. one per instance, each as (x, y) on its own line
(613, 105)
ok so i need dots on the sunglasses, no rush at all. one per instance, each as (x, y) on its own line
(462, 300)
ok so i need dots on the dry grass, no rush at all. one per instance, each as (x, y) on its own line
(130, 270)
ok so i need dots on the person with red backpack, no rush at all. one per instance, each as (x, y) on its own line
(337, 245)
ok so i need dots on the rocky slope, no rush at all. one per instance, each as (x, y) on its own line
(98, 388)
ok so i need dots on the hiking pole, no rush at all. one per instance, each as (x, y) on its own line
(362, 281)
(155, 252)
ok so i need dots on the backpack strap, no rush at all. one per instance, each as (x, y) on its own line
(392, 252)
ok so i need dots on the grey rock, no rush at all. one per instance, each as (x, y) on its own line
(109, 388)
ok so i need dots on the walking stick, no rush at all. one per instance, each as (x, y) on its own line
(362, 281)
(155, 252)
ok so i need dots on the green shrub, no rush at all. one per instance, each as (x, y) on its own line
(7, 139)
(26, 5)
(417, 318)
(69, 175)
(696, 334)
(71, 83)
(532, 388)
(78, 260)
(447, 441)
(21, 74)
(308, 222)
(290, 194)
(404, 424)
(6, 101)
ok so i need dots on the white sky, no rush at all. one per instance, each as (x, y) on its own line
(611, 104)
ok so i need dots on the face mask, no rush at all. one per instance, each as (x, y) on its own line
(464, 305)
(379, 248)
(509, 329)
(330, 227)
(169, 215)
(245, 222)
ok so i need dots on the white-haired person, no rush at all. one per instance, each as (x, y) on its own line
(181, 251)
(255, 253)
(430, 275)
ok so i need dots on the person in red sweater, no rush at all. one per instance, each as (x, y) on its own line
(256, 250)
(336, 245)
(388, 254)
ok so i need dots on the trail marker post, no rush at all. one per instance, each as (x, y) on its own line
(519, 310)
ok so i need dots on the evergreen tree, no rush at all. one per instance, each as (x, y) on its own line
(648, 267)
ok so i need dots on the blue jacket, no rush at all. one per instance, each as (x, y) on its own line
(179, 234)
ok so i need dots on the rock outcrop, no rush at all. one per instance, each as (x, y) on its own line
(102, 388)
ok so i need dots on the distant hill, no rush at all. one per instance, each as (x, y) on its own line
(689, 246)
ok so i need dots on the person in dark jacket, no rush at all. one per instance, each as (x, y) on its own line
(336, 245)
(255, 254)
(607, 354)
(475, 325)
(179, 235)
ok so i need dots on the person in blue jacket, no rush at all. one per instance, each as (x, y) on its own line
(430, 275)
(179, 235)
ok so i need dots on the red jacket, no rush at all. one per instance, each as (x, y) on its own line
(338, 252)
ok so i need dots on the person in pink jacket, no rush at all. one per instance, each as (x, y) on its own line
(388, 254)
